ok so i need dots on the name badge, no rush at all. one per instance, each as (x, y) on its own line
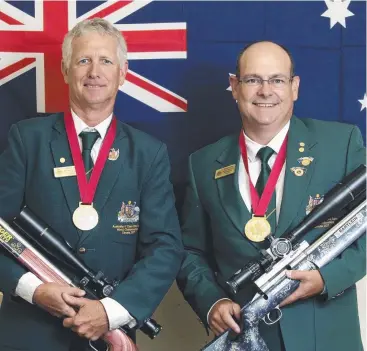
(219, 173)
(68, 171)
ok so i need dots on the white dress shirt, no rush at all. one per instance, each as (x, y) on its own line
(28, 283)
(254, 166)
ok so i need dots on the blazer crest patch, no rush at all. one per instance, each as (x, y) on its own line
(128, 216)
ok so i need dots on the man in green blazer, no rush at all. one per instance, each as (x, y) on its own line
(322, 313)
(135, 236)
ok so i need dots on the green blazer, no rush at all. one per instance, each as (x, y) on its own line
(145, 255)
(214, 216)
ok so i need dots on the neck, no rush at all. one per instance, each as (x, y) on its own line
(91, 116)
(261, 134)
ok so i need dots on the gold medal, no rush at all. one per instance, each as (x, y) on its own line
(257, 229)
(85, 217)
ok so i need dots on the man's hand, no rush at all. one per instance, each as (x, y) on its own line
(49, 297)
(311, 284)
(91, 321)
(221, 316)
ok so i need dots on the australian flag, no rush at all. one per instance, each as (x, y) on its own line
(181, 54)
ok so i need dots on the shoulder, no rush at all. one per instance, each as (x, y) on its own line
(39, 123)
(142, 142)
(212, 151)
(327, 129)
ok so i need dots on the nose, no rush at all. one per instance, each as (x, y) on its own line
(93, 70)
(265, 89)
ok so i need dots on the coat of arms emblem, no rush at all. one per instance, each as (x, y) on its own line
(113, 155)
(129, 212)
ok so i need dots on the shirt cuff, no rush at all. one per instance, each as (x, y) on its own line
(117, 315)
(207, 316)
(27, 285)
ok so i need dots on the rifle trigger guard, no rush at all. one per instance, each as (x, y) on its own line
(269, 321)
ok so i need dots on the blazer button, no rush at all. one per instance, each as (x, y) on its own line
(82, 250)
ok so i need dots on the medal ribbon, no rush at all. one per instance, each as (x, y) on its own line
(88, 189)
(260, 205)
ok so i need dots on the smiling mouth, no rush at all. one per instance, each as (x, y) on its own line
(91, 86)
(265, 105)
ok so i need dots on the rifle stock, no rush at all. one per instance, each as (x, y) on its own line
(35, 262)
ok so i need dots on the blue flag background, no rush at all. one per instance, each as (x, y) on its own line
(330, 61)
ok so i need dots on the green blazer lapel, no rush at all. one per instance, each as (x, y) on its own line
(62, 158)
(228, 189)
(297, 175)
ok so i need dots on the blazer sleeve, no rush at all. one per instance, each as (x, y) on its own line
(12, 185)
(350, 266)
(197, 279)
(159, 250)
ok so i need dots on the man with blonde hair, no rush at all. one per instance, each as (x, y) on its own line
(140, 245)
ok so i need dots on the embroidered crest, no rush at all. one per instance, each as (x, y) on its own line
(313, 202)
(305, 161)
(129, 213)
(113, 154)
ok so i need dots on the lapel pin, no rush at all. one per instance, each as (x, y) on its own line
(62, 160)
(305, 161)
(301, 144)
(113, 154)
(299, 171)
(219, 173)
(301, 149)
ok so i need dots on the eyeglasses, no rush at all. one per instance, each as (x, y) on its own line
(278, 82)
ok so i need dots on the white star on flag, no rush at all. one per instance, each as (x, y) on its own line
(337, 11)
(363, 102)
(230, 88)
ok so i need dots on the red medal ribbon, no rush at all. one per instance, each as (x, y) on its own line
(260, 205)
(88, 189)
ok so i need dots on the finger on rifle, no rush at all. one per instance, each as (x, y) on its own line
(236, 308)
(297, 275)
(298, 294)
(217, 329)
(230, 322)
(73, 301)
(75, 292)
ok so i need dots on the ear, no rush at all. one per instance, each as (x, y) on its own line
(64, 72)
(233, 81)
(123, 72)
(295, 86)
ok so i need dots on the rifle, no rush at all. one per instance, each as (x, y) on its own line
(96, 285)
(274, 286)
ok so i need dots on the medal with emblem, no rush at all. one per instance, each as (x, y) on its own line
(257, 229)
(85, 217)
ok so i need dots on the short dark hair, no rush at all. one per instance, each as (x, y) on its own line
(264, 41)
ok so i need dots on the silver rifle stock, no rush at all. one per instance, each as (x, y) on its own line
(275, 286)
(37, 263)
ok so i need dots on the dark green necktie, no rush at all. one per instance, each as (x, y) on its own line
(88, 140)
(264, 155)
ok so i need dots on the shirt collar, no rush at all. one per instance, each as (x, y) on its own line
(253, 147)
(81, 126)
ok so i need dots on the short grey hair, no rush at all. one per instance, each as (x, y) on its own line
(100, 26)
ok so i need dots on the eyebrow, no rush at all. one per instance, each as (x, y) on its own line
(258, 76)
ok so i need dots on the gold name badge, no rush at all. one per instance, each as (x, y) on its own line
(68, 171)
(219, 173)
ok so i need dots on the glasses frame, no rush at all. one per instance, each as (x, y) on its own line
(240, 80)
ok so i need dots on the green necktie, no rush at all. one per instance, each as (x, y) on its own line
(264, 155)
(88, 140)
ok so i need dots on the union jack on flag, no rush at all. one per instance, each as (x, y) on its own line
(31, 34)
